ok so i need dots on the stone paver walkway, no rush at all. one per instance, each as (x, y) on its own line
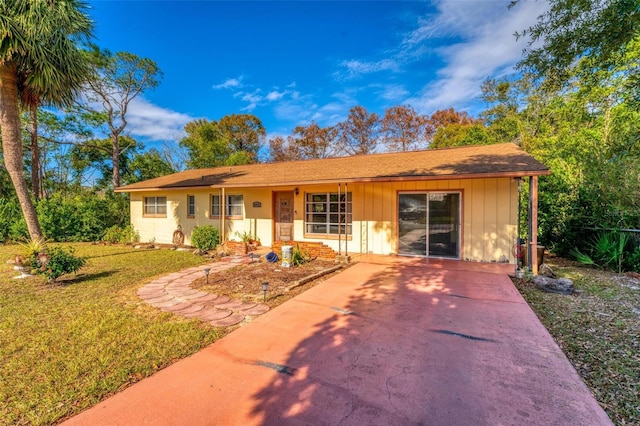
(173, 293)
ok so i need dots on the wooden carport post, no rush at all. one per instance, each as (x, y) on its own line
(532, 249)
(223, 209)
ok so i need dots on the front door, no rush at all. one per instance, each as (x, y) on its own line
(429, 224)
(284, 216)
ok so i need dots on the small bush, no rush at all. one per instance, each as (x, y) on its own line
(119, 235)
(245, 237)
(299, 257)
(54, 262)
(10, 214)
(205, 237)
(609, 250)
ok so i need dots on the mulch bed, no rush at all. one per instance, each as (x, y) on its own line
(244, 282)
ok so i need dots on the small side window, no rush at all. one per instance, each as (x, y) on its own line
(191, 206)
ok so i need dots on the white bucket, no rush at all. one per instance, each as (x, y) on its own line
(287, 252)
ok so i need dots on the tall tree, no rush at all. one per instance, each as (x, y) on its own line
(116, 80)
(359, 133)
(284, 149)
(97, 154)
(147, 165)
(457, 134)
(307, 143)
(244, 133)
(204, 144)
(38, 50)
(572, 30)
(403, 129)
(315, 142)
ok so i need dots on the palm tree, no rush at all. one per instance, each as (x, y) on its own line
(39, 54)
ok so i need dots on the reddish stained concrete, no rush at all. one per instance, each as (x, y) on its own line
(428, 342)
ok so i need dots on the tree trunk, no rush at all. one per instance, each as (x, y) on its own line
(115, 159)
(36, 186)
(12, 144)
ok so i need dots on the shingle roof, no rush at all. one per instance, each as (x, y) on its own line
(500, 160)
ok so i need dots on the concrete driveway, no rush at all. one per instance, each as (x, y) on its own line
(389, 341)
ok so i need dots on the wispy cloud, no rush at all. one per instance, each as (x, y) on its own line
(303, 109)
(355, 68)
(150, 121)
(274, 95)
(462, 43)
(487, 48)
(231, 83)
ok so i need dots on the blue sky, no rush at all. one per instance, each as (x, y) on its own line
(292, 62)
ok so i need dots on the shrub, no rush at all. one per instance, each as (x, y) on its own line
(119, 235)
(609, 250)
(205, 237)
(245, 237)
(299, 257)
(10, 214)
(54, 262)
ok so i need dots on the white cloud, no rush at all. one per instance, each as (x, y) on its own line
(466, 41)
(231, 83)
(392, 92)
(274, 95)
(354, 68)
(153, 122)
(487, 48)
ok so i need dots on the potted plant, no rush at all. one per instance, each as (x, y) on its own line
(52, 262)
(24, 261)
(517, 253)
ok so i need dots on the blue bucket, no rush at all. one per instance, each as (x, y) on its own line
(271, 257)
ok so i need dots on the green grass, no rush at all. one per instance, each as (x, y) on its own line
(599, 331)
(64, 347)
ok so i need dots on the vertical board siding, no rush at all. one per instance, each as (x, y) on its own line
(488, 225)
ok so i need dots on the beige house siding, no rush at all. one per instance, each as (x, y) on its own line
(489, 215)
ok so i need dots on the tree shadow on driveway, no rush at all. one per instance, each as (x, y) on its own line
(411, 343)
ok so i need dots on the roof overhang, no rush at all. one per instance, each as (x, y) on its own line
(381, 179)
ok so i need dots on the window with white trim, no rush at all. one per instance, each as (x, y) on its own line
(328, 213)
(155, 206)
(234, 205)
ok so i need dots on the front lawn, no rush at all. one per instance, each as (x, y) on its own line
(64, 347)
(599, 330)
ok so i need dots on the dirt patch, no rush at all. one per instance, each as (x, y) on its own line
(244, 282)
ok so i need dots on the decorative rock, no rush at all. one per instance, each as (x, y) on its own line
(553, 285)
(546, 271)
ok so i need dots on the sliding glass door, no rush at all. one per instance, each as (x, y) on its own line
(429, 224)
